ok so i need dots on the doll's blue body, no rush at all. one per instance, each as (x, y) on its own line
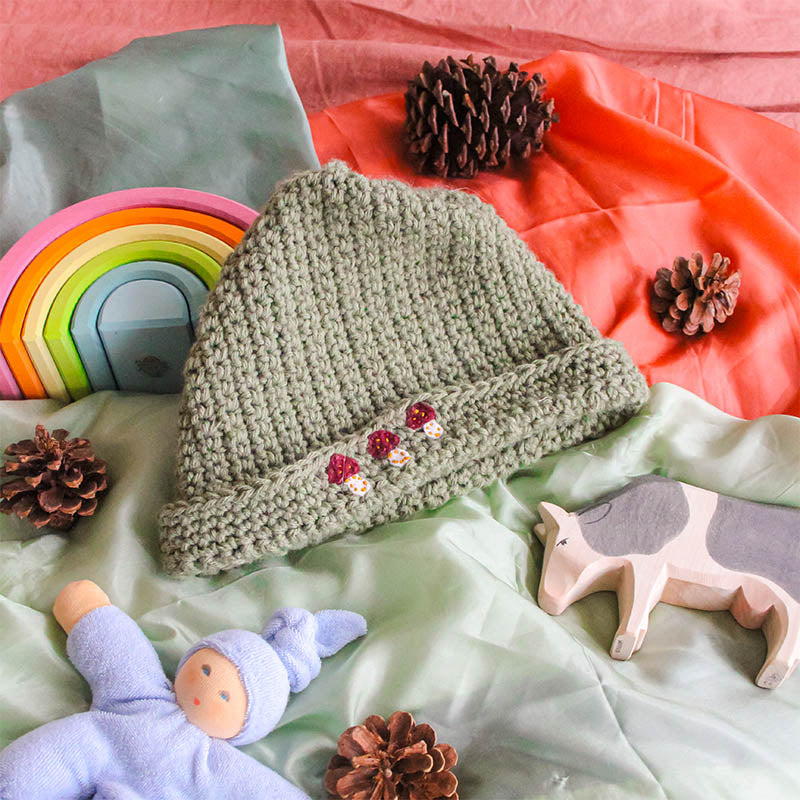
(135, 742)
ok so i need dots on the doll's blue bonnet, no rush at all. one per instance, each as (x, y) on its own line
(285, 657)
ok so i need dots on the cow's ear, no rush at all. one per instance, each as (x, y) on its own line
(594, 514)
(552, 518)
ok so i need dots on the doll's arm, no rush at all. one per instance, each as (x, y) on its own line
(108, 648)
(237, 775)
(76, 600)
(60, 759)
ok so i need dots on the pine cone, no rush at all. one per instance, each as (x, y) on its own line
(394, 761)
(692, 295)
(55, 481)
(462, 116)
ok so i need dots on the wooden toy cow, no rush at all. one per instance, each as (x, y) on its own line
(661, 540)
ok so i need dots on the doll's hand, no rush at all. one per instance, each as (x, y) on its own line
(76, 600)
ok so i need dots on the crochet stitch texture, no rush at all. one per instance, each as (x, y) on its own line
(349, 300)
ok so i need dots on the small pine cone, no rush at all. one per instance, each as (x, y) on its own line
(693, 296)
(397, 760)
(462, 117)
(56, 480)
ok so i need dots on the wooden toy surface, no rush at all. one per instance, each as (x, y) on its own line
(84, 324)
(19, 256)
(21, 295)
(73, 263)
(695, 549)
(147, 333)
(55, 341)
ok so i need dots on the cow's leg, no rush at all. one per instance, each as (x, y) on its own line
(782, 631)
(638, 592)
(750, 609)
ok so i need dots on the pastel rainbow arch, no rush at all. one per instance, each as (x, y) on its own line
(44, 275)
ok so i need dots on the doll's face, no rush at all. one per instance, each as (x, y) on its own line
(210, 692)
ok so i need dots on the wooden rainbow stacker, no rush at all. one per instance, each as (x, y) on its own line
(105, 293)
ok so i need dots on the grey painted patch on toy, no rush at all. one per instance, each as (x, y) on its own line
(639, 518)
(757, 538)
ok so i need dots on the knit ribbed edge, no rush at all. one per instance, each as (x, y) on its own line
(492, 428)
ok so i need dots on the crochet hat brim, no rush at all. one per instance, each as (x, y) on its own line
(549, 404)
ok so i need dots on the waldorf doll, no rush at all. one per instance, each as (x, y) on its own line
(146, 739)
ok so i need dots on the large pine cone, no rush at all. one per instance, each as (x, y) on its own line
(462, 116)
(56, 480)
(394, 761)
(694, 296)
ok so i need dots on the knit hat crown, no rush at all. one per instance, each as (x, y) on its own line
(285, 657)
(370, 350)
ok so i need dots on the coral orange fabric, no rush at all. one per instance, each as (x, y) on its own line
(636, 173)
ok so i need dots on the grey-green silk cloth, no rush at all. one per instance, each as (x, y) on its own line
(214, 110)
(534, 704)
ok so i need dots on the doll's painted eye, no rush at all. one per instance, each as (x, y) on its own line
(206, 669)
(225, 696)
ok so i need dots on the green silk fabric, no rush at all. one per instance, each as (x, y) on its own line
(534, 704)
(214, 110)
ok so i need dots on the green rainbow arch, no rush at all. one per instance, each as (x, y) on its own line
(57, 334)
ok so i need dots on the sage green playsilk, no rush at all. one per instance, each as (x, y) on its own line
(214, 110)
(534, 705)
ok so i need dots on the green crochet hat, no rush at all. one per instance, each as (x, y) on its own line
(371, 350)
